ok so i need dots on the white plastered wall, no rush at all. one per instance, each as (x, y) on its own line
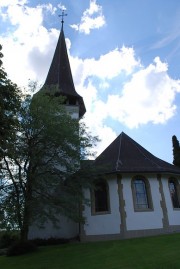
(66, 229)
(142, 220)
(107, 223)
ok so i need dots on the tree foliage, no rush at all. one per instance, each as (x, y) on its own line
(9, 106)
(176, 151)
(38, 167)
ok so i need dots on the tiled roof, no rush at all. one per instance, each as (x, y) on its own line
(60, 74)
(126, 155)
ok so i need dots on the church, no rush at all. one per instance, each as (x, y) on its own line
(137, 195)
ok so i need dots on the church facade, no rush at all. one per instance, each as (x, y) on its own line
(137, 194)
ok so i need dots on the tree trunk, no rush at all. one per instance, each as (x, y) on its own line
(25, 225)
(27, 211)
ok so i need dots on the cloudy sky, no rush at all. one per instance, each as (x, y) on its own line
(125, 59)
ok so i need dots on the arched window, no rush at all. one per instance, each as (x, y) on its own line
(100, 198)
(174, 192)
(141, 194)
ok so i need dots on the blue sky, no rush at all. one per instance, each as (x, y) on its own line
(125, 59)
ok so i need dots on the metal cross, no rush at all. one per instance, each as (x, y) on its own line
(62, 15)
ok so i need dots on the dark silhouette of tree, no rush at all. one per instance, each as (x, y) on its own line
(38, 166)
(176, 151)
(9, 106)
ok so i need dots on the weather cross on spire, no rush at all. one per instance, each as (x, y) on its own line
(62, 15)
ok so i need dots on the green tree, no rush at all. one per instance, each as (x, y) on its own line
(176, 151)
(39, 169)
(9, 106)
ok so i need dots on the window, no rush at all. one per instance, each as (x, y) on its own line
(174, 192)
(141, 194)
(100, 198)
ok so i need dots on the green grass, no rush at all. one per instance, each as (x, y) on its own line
(161, 252)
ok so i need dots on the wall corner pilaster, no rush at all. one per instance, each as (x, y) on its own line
(165, 219)
(123, 227)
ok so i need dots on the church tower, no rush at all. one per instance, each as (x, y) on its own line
(60, 77)
(59, 82)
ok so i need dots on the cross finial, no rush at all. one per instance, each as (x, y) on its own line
(62, 15)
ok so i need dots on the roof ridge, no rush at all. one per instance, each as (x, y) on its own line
(138, 147)
(119, 152)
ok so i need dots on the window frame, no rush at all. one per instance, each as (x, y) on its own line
(147, 193)
(177, 191)
(93, 199)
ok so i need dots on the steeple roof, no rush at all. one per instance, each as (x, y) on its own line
(60, 74)
(124, 155)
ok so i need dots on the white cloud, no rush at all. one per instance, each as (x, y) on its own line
(107, 67)
(92, 18)
(95, 115)
(104, 85)
(6, 3)
(148, 97)
(29, 46)
(113, 63)
(62, 7)
(49, 7)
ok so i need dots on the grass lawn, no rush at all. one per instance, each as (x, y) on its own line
(160, 252)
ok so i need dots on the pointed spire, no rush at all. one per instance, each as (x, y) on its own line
(60, 73)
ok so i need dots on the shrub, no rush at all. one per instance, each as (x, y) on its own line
(20, 248)
(3, 252)
(8, 238)
(50, 241)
